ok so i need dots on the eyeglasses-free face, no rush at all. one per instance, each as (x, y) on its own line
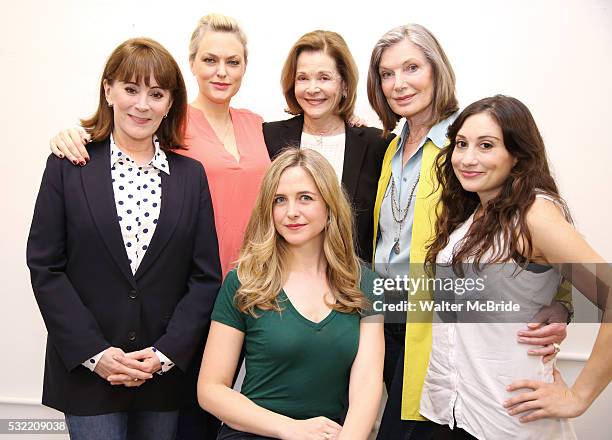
(407, 80)
(318, 84)
(219, 66)
(299, 211)
(138, 109)
(480, 159)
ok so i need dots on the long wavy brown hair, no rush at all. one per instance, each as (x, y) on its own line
(262, 265)
(501, 231)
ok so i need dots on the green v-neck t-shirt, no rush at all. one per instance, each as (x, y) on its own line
(294, 366)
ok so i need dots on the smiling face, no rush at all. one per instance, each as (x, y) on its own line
(318, 84)
(138, 109)
(219, 66)
(299, 211)
(407, 80)
(480, 159)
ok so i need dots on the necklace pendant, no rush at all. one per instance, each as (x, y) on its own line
(396, 247)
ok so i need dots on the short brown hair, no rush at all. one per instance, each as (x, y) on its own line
(136, 60)
(444, 99)
(332, 44)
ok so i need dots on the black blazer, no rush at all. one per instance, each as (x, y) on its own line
(363, 156)
(89, 298)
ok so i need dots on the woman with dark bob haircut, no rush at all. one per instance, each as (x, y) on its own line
(123, 257)
(502, 221)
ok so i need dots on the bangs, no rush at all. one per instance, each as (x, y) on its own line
(143, 64)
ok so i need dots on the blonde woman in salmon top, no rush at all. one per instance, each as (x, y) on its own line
(228, 141)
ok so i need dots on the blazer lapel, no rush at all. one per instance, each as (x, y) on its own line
(173, 193)
(354, 153)
(292, 132)
(98, 187)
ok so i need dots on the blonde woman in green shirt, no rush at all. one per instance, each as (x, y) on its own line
(302, 304)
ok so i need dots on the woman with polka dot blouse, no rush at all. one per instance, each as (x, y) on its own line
(124, 257)
(228, 141)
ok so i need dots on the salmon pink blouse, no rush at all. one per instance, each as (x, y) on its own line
(233, 184)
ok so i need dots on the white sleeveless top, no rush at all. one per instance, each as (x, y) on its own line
(471, 363)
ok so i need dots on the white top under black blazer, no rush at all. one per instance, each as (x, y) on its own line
(363, 155)
(89, 298)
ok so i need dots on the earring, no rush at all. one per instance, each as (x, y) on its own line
(166, 115)
(110, 104)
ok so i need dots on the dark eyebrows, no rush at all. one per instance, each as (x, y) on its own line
(484, 136)
(489, 136)
(132, 83)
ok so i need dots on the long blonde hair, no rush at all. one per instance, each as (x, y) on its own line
(262, 265)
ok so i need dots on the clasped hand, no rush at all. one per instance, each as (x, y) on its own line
(129, 369)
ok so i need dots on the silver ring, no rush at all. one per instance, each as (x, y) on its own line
(557, 347)
(135, 379)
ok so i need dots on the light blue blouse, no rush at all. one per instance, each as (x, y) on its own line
(387, 262)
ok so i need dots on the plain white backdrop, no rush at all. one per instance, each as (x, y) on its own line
(553, 55)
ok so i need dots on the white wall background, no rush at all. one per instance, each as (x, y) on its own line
(554, 55)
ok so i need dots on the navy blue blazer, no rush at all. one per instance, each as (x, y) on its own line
(363, 155)
(89, 298)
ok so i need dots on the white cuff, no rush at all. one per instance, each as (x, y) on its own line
(91, 363)
(166, 363)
